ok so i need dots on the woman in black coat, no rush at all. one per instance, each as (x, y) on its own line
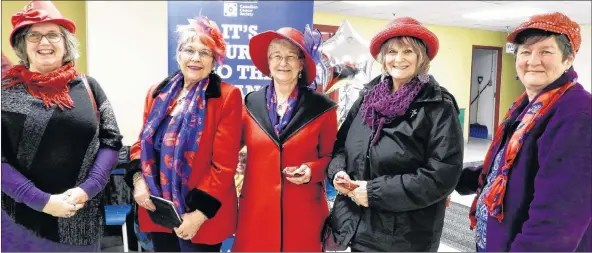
(399, 153)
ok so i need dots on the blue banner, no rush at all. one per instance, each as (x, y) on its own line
(238, 21)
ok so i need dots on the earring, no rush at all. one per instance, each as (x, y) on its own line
(300, 75)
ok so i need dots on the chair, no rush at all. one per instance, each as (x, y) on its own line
(115, 215)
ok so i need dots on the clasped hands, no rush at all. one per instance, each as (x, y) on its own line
(65, 205)
(354, 189)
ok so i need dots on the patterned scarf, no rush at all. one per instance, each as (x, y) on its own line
(271, 98)
(528, 119)
(381, 107)
(180, 141)
(52, 88)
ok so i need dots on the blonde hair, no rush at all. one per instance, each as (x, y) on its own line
(418, 47)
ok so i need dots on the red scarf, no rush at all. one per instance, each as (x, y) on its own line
(50, 87)
(495, 198)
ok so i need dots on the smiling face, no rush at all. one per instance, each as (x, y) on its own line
(196, 61)
(541, 63)
(46, 47)
(285, 61)
(403, 58)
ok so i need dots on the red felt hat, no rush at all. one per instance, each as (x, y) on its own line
(39, 12)
(405, 26)
(554, 22)
(259, 44)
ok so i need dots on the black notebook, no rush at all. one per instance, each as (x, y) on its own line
(165, 214)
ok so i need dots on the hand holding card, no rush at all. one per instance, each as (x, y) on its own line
(347, 183)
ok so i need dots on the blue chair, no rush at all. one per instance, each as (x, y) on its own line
(115, 215)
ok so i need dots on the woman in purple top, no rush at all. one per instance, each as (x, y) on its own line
(402, 144)
(534, 189)
(59, 139)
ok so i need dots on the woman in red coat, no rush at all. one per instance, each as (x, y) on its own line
(289, 131)
(188, 148)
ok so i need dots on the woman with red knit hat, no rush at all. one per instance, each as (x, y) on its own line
(289, 131)
(187, 151)
(533, 190)
(399, 152)
(60, 139)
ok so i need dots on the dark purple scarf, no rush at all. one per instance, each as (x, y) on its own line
(381, 106)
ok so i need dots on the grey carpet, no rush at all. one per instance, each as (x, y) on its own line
(457, 233)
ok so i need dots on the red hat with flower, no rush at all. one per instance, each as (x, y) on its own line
(405, 26)
(39, 12)
(210, 34)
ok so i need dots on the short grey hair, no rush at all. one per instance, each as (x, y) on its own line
(187, 34)
(20, 46)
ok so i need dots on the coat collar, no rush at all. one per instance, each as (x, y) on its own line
(310, 105)
(213, 90)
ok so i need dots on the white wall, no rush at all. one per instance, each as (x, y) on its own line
(582, 63)
(483, 110)
(127, 53)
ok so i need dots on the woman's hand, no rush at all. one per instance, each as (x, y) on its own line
(299, 175)
(191, 224)
(360, 194)
(142, 195)
(57, 206)
(340, 181)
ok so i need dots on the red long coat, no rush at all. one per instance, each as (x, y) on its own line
(274, 213)
(214, 164)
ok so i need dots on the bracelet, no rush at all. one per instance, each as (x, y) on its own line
(137, 177)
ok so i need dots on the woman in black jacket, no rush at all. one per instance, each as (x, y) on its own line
(401, 145)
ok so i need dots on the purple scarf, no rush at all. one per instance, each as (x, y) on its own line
(179, 144)
(271, 98)
(381, 107)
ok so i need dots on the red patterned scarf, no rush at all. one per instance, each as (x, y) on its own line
(50, 87)
(535, 110)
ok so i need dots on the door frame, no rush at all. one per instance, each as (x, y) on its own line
(498, 83)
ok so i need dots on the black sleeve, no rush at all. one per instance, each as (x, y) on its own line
(338, 161)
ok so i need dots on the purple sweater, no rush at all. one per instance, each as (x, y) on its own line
(548, 202)
(22, 190)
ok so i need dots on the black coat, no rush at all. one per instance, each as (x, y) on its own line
(415, 165)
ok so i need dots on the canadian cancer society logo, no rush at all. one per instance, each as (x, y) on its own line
(230, 9)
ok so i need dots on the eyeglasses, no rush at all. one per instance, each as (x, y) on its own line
(203, 54)
(291, 59)
(35, 37)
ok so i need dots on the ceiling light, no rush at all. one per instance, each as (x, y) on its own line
(501, 14)
(371, 3)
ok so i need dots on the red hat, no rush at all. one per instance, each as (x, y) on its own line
(39, 12)
(259, 44)
(553, 22)
(405, 26)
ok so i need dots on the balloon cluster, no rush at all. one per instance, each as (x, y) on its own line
(345, 66)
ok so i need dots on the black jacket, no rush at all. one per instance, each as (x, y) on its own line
(413, 168)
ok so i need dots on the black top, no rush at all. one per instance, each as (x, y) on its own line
(55, 149)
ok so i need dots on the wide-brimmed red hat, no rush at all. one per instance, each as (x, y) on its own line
(405, 26)
(39, 12)
(553, 22)
(259, 44)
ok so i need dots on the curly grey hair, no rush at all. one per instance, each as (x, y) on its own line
(20, 46)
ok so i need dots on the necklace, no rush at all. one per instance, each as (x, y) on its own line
(280, 106)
